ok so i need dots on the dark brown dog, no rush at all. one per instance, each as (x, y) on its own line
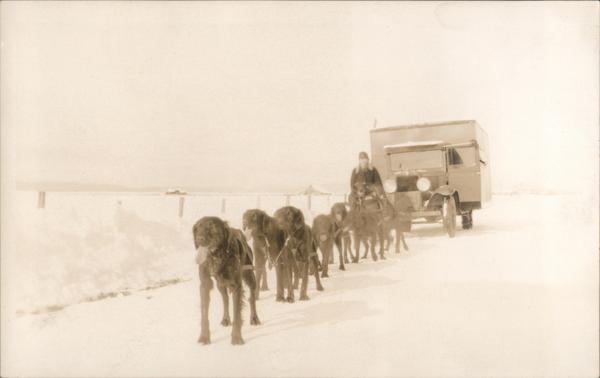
(268, 239)
(300, 245)
(364, 226)
(223, 253)
(339, 215)
(323, 229)
(396, 219)
(367, 219)
(260, 244)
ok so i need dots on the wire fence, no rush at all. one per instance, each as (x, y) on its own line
(188, 206)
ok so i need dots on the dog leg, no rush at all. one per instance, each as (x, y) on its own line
(319, 285)
(372, 242)
(238, 297)
(357, 247)
(250, 281)
(290, 285)
(326, 259)
(347, 250)
(342, 266)
(296, 275)
(264, 285)
(226, 319)
(205, 286)
(258, 276)
(403, 241)
(330, 252)
(340, 249)
(381, 236)
(303, 269)
(279, 277)
(366, 242)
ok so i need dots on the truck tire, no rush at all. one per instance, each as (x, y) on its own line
(449, 216)
(467, 220)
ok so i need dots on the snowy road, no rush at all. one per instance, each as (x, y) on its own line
(515, 296)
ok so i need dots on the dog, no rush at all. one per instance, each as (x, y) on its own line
(268, 239)
(323, 229)
(366, 218)
(396, 218)
(255, 217)
(300, 245)
(223, 253)
(365, 227)
(339, 216)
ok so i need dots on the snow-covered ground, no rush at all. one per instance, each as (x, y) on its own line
(515, 296)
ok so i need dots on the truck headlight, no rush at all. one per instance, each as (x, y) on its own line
(390, 185)
(423, 184)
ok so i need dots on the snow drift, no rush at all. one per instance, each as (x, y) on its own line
(86, 246)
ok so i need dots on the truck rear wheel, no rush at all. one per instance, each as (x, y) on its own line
(449, 214)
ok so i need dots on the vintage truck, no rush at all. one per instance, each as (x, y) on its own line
(442, 168)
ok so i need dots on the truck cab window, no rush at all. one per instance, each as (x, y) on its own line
(454, 157)
(464, 156)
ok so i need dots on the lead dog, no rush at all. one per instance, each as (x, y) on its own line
(223, 253)
(300, 245)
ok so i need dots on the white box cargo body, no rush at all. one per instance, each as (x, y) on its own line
(460, 151)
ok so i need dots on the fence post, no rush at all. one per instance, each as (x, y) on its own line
(181, 203)
(309, 201)
(287, 200)
(345, 198)
(223, 205)
(41, 200)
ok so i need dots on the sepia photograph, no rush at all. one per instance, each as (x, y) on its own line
(300, 189)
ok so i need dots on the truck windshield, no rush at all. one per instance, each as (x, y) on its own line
(416, 160)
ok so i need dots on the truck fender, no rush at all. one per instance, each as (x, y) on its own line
(444, 190)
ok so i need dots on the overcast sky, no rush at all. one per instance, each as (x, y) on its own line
(274, 96)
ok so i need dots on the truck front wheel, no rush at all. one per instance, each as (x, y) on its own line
(449, 214)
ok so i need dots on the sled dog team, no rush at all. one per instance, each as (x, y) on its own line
(286, 243)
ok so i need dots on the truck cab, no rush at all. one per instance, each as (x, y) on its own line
(442, 168)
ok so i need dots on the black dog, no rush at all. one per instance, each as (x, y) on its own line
(223, 253)
(299, 243)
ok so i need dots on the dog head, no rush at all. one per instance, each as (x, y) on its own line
(210, 235)
(361, 189)
(339, 212)
(254, 222)
(289, 219)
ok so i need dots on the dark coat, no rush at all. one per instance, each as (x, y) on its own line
(369, 176)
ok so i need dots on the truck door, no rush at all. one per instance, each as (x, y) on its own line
(463, 172)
